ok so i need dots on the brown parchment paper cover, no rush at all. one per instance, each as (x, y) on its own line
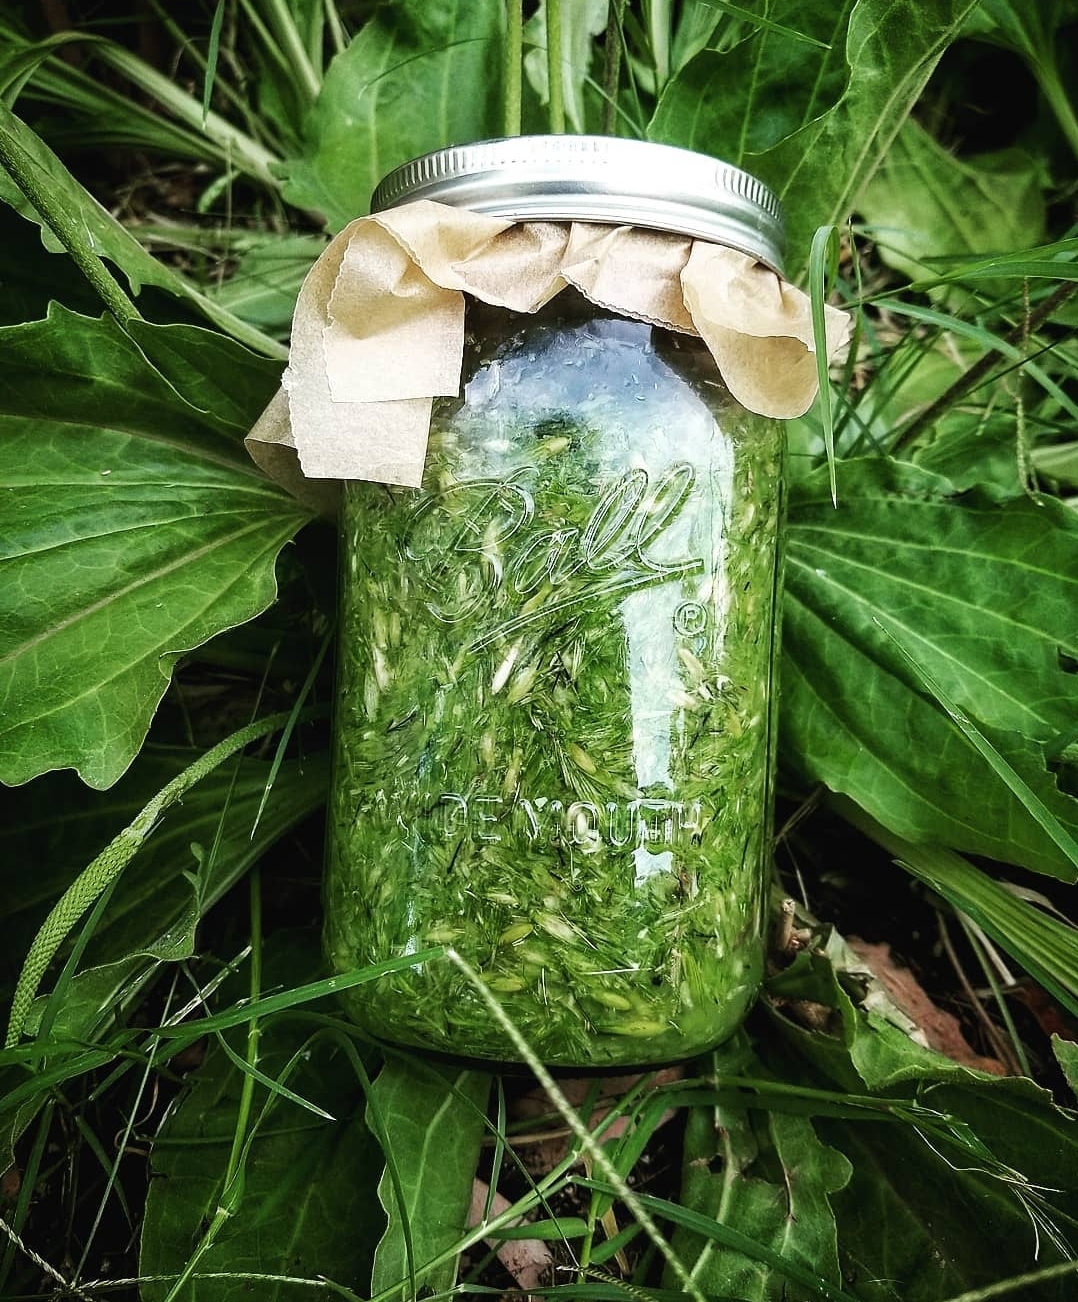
(378, 331)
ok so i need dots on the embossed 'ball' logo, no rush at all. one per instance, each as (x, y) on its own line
(499, 546)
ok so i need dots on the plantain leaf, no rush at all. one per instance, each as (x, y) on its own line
(957, 1178)
(133, 528)
(431, 1121)
(812, 121)
(308, 1208)
(985, 597)
(925, 204)
(768, 1175)
(414, 78)
(263, 287)
(1066, 1052)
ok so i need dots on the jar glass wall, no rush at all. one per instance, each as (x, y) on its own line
(554, 729)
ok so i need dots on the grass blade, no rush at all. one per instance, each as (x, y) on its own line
(1045, 946)
(823, 261)
(211, 60)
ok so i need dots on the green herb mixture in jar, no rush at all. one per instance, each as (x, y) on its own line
(554, 724)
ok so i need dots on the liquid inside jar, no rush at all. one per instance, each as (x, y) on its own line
(554, 729)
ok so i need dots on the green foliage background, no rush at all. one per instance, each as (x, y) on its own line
(158, 593)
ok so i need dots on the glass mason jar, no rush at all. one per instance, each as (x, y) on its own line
(554, 734)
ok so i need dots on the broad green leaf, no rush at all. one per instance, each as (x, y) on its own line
(1066, 1052)
(768, 1175)
(263, 287)
(134, 528)
(963, 1193)
(924, 204)
(915, 1229)
(813, 123)
(307, 1207)
(976, 449)
(785, 73)
(430, 1120)
(983, 596)
(225, 384)
(414, 78)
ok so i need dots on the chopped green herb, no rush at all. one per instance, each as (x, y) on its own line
(554, 725)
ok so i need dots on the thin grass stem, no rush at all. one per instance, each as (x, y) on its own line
(189, 1032)
(586, 1138)
(499, 1145)
(121, 1149)
(823, 258)
(61, 221)
(295, 52)
(1058, 99)
(514, 67)
(998, 1043)
(254, 1033)
(212, 53)
(982, 367)
(111, 862)
(612, 65)
(66, 1289)
(337, 33)
(555, 87)
(1006, 1287)
(1018, 1049)
(286, 732)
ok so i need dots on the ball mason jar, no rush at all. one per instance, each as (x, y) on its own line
(554, 732)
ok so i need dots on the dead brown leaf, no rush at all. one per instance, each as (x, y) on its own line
(529, 1261)
(546, 1146)
(942, 1030)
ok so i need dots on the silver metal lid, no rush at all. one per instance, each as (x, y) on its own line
(598, 179)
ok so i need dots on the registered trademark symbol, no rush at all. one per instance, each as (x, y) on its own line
(690, 618)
